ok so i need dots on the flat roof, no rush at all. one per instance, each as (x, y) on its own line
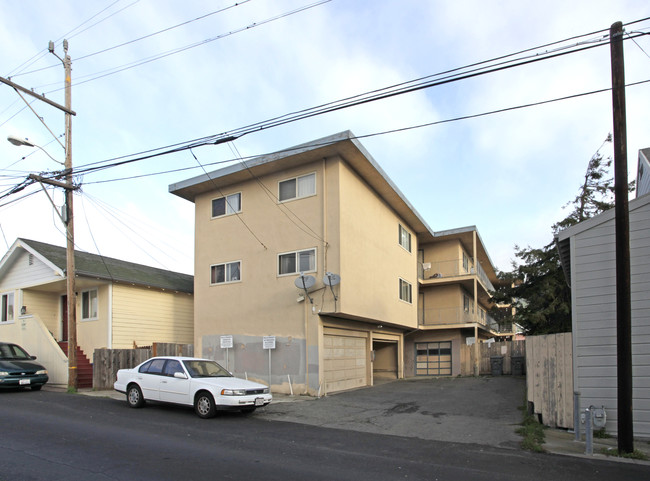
(343, 144)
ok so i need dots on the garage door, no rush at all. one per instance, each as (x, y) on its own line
(433, 358)
(344, 359)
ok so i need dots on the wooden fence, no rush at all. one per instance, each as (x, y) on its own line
(549, 363)
(507, 350)
(106, 362)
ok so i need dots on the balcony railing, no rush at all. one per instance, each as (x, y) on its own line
(458, 315)
(452, 268)
(484, 278)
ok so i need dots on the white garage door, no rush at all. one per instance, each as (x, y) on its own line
(344, 359)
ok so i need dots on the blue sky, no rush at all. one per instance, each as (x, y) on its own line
(509, 174)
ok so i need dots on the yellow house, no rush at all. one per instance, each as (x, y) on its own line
(307, 269)
(119, 304)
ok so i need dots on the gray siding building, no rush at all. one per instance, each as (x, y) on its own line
(588, 258)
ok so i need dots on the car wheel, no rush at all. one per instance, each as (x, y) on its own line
(134, 396)
(204, 405)
(248, 410)
(37, 388)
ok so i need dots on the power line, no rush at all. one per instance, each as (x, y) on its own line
(44, 52)
(137, 63)
(359, 137)
(387, 92)
(139, 38)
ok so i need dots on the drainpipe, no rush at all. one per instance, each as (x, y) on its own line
(477, 351)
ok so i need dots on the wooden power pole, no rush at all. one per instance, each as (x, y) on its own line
(622, 218)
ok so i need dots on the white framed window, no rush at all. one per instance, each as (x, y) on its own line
(7, 314)
(89, 305)
(225, 273)
(404, 238)
(405, 291)
(296, 262)
(230, 204)
(298, 187)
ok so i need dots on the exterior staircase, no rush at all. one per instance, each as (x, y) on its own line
(84, 367)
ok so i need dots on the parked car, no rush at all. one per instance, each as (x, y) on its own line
(18, 369)
(201, 383)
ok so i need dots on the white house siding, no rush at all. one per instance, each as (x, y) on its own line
(144, 316)
(22, 274)
(594, 314)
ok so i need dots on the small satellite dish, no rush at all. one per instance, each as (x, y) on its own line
(331, 279)
(305, 282)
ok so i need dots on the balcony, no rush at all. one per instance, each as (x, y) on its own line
(452, 268)
(450, 316)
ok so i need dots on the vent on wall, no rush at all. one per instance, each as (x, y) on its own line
(31, 259)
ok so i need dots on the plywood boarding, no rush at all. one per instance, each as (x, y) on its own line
(344, 362)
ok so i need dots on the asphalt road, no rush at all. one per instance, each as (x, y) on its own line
(52, 435)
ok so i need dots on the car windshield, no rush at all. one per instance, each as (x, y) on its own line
(11, 351)
(205, 369)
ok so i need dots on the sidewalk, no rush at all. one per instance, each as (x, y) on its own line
(563, 442)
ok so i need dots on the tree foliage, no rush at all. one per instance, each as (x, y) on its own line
(536, 287)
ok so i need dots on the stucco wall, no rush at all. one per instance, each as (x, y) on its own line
(372, 260)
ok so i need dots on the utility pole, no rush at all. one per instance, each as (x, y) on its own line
(622, 219)
(69, 225)
(68, 215)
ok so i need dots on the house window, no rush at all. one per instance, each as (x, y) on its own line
(465, 262)
(296, 262)
(225, 273)
(404, 238)
(227, 205)
(468, 304)
(297, 187)
(405, 291)
(7, 307)
(89, 305)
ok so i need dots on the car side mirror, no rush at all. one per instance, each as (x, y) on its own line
(180, 375)
(33, 358)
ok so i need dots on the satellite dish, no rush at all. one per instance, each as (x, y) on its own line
(331, 279)
(305, 282)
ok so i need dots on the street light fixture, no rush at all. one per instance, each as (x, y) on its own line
(18, 141)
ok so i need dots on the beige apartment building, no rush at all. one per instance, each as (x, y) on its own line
(309, 272)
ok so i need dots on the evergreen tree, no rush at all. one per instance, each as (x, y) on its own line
(536, 287)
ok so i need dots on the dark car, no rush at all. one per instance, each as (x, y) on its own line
(18, 369)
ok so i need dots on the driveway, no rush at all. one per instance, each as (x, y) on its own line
(482, 410)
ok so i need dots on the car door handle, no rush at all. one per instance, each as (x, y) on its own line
(163, 382)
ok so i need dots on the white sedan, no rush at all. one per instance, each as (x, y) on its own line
(201, 383)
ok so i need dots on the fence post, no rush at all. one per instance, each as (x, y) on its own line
(576, 415)
(589, 433)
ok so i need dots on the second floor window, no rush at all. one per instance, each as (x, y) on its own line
(297, 187)
(405, 291)
(89, 303)
(224, 273)
(296, 262)
(227, 205)
(404, 238)
(465, 262)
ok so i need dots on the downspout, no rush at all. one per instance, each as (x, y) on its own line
(477, 351)
(109, 322)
